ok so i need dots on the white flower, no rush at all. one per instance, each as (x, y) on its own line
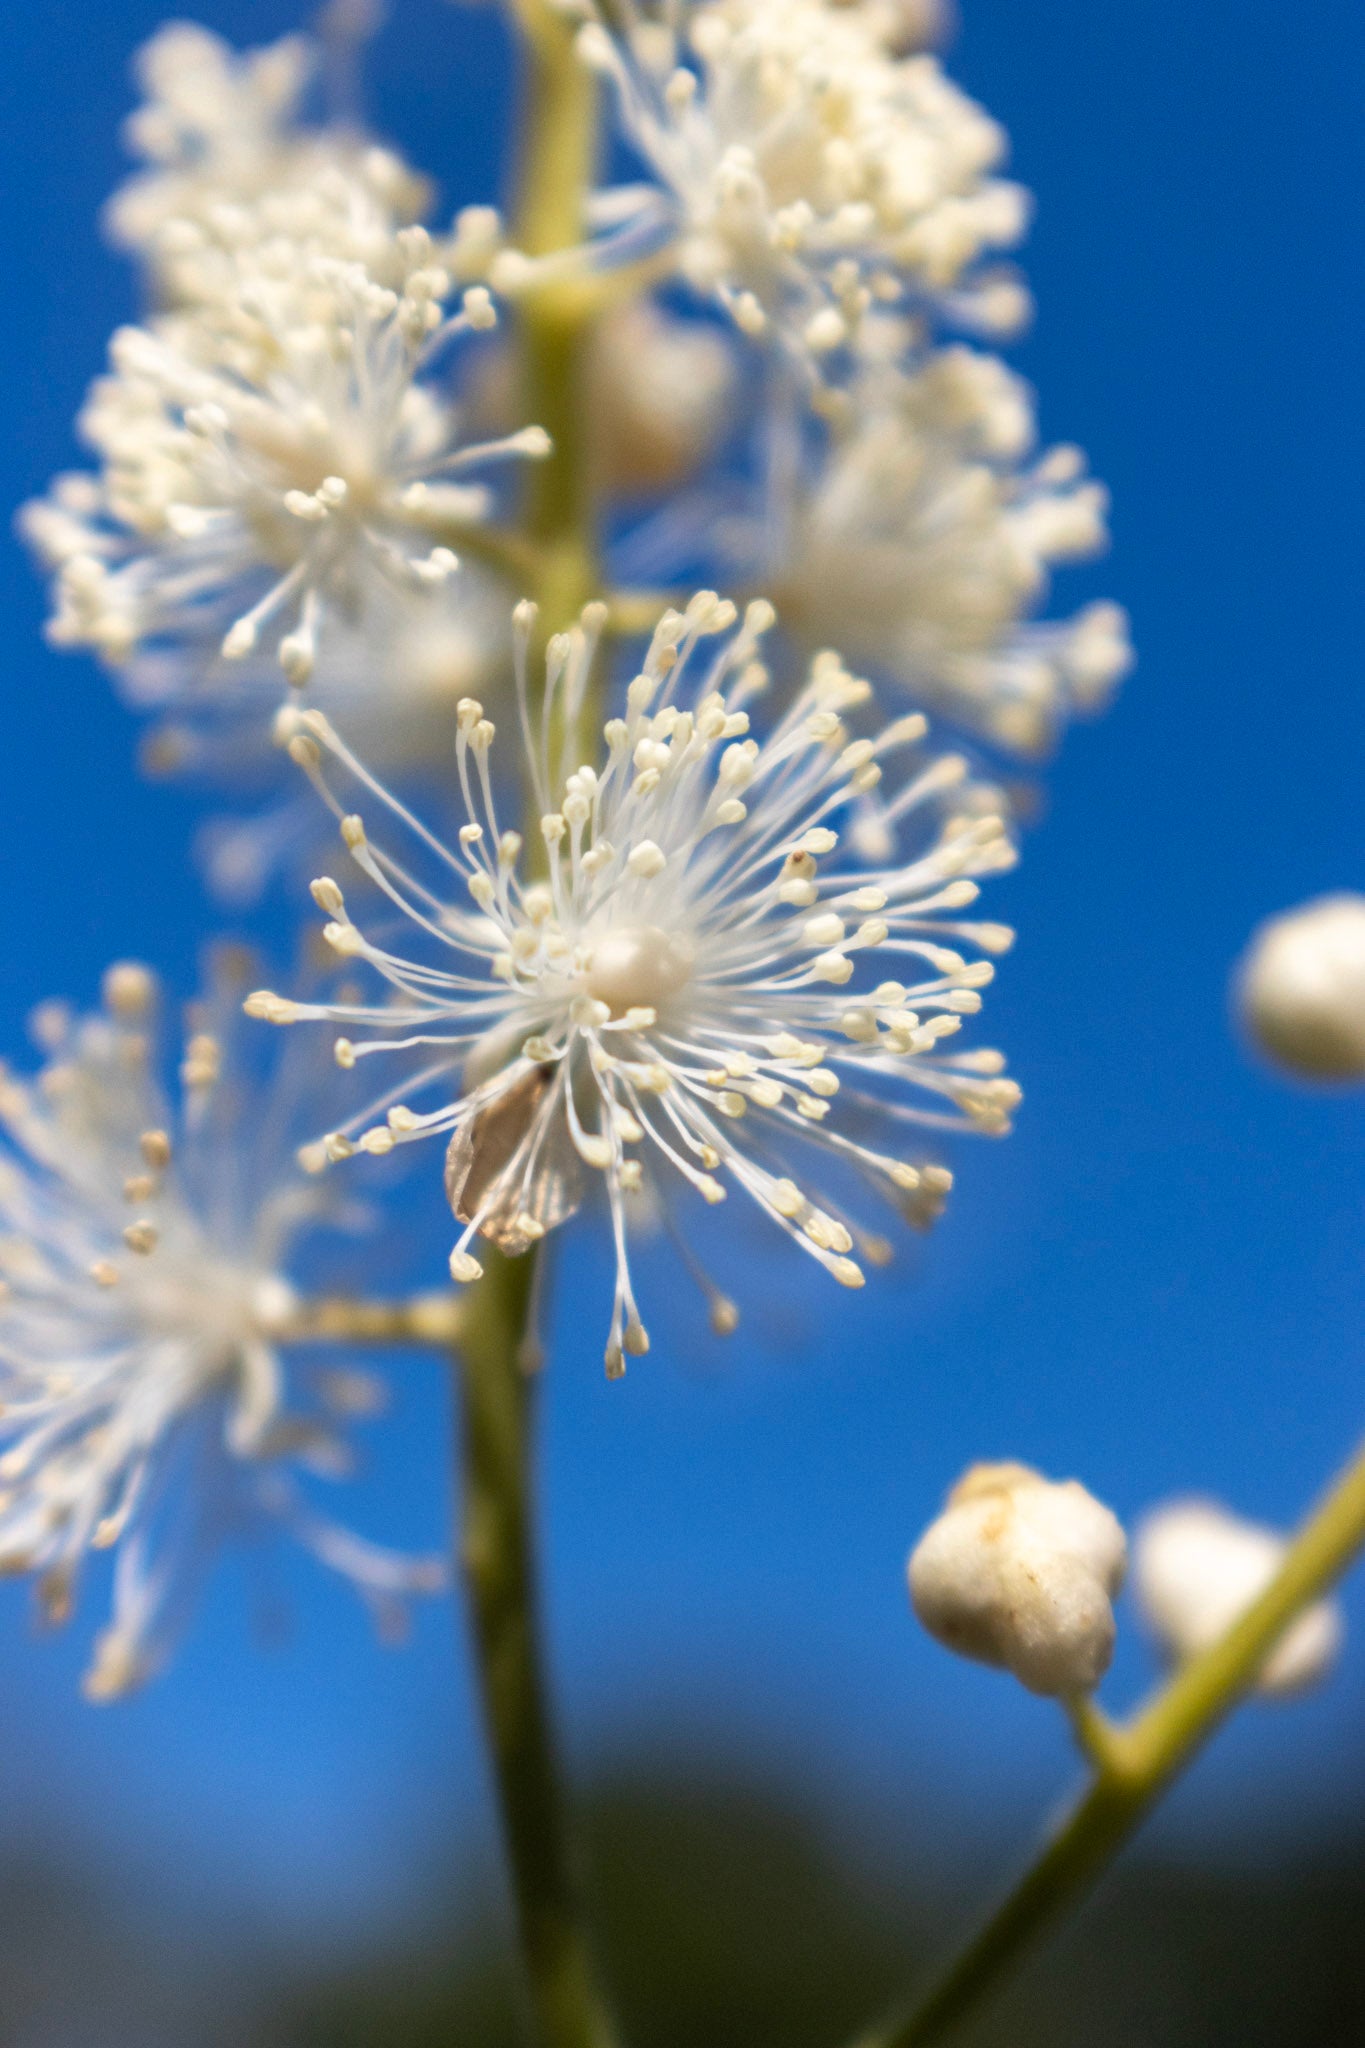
(696, 987)
(1020, 1572)
(1197, 1568)
(142, 1295)
(223, 135)
(1301, 989)
(239, 501)
(807, 168)
(919, 539)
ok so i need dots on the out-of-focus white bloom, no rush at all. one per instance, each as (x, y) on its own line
(239, 502)
(1020, 1572)
(807, 169)
(1301, 989)
(698, 975)
(226, 147)
(142, 1299)
(1197, 1568)
(389, 680)
(660, 391)
(920, 540)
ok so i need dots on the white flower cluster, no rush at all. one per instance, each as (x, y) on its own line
(283, 466)
(919, 539)
(808, 168)
(227, 153)
(696, 988)
(143, 1298)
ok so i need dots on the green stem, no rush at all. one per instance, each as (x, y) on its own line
(1137, 1760)
(559, 128)
(497, 1403)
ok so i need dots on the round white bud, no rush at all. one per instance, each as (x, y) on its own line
(1301, 989)
(1019, 1571)
(1197, 1568)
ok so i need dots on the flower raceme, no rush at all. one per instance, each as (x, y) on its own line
(808, 168)
(257, 474)
(142, 1304)
(693, 987)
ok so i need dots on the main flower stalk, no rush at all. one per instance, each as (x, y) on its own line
(495, 1374)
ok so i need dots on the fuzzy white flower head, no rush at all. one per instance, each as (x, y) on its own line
(920, 539)
(809, 169)
(1020, 1572)
(1197, 1568)
(222, 133)
(696, 988)
(1301, 989)
(142, 1297)
(236, 504)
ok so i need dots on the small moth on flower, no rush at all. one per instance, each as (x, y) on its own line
(691, 984)
(144, 1300)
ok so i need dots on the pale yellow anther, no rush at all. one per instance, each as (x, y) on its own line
(139, 1188)
(464, 1267)
(327, 896)
(730, 1104)
(343, 1052)
(378, 1140)
(155, 1147)
(848, 1272)
(835, 967)
(141, 1237)
(104, 1273)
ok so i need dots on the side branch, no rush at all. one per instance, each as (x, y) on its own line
(1136, 1760)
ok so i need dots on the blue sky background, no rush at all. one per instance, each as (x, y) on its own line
(1156, 1284)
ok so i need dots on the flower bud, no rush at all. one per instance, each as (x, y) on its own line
(1301, 989)
(1019, 1571)
(1197, 1567)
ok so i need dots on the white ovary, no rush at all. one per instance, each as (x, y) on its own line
(698, 984)
(637, 967)
(148, 1405)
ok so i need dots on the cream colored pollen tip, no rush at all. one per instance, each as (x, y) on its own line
(1301, 989)
(1197, 1567)
(1019, 1572)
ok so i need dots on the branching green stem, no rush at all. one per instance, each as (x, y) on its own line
(1136, 1760)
